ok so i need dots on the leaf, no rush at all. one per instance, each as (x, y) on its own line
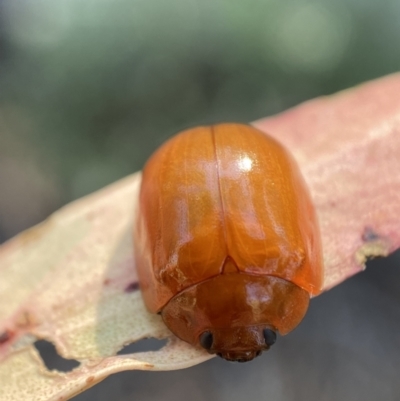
(348, 147)
(71, 280)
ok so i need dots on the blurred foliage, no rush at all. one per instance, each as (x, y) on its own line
(90, 88)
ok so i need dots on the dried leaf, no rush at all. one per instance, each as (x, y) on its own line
(71, 279)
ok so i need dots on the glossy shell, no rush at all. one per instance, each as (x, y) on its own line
(225, 201)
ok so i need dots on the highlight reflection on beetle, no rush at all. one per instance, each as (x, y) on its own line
(226, 240)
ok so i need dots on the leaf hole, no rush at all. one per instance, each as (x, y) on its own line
(52, 359)
(145, 345)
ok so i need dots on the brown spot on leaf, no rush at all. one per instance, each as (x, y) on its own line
(35, 233)
(132, 287)
(369, 235)
(27, 319)
(5, 336)
(148, 366)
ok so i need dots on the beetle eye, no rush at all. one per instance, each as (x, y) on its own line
(269, 337)
(206, 340)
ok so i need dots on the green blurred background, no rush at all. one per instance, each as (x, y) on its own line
(88, 89)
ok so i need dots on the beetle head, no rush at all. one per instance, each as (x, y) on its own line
(238, 344)
(236, 316)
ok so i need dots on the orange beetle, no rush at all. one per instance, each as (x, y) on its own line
(226, 240)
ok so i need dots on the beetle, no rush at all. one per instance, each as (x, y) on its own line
(226, 239)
